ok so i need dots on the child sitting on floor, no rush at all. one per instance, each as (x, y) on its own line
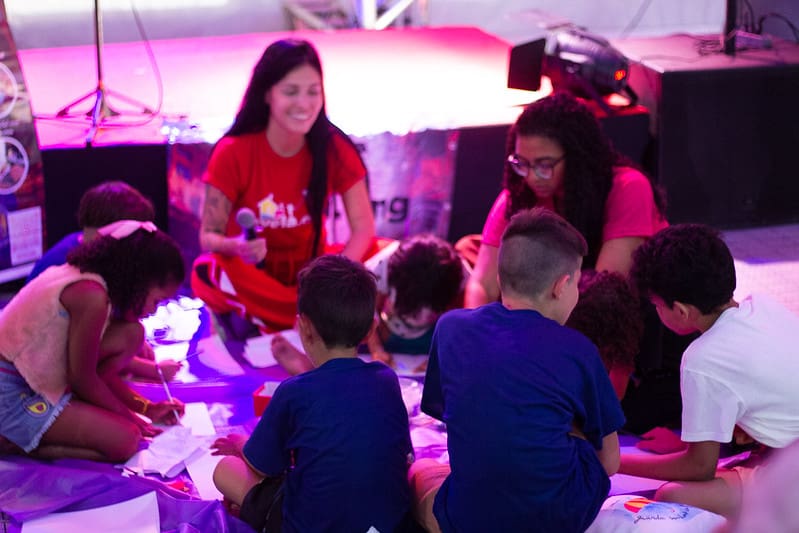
(65, 336)
(609, 314)
(103, 204)
(417, 280)
(737, 378)
(338, 433)
(530, 412)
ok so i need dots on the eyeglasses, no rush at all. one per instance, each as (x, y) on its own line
(543, 168)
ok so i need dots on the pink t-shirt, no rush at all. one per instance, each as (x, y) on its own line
(630, 210)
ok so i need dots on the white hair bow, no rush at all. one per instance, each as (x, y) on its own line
(123, 228)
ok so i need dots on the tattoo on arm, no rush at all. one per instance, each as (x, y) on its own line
(216, 211)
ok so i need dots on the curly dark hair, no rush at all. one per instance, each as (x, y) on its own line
(687, 263)
(338, 296)
(609, 313)
(425, 271)
(280, 58)
(131, 266)
(589, 161)
(111, 201)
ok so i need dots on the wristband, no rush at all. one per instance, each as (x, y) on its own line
(145, 403)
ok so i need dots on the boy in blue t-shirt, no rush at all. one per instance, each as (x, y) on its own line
(530, 412)
(339, 432)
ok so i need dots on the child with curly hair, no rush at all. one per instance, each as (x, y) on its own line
(103, 204)
(609, 314)
(417, 280)
(737, 379)
(65, 337)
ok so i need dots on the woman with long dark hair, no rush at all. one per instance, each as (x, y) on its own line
(282, 159)
(557, 157)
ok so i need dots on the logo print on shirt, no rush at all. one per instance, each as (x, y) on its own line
(273, 214)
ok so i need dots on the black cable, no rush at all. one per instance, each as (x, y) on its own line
(642, 9)
(159, 82)
(783, 18)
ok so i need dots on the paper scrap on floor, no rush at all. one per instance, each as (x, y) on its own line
(138, 515)
(166, 453)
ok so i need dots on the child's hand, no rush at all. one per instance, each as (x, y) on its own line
(146, 429)
(660, 440)
(164, 412)
(384, 357)
(169, 368)
(232, 444)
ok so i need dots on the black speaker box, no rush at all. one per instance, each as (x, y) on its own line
(726, 128)
(69, 172)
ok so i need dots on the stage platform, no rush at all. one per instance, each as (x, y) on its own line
(394, 91)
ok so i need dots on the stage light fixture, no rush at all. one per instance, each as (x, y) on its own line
(574, 60)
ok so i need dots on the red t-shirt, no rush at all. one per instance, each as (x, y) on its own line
(630, 210)
(250, 174)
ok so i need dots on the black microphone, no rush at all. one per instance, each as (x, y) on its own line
(246, 219)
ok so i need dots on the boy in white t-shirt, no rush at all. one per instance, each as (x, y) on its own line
(737, 379)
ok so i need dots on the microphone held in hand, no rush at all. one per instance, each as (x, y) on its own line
(245, 217)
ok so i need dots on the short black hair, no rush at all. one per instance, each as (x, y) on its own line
(131, 266)
(111, 201)
(425, 271)
(609, 313)
(687, 263)
(538, 246)
(338, 296)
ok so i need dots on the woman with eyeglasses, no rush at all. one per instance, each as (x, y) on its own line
(559, 158)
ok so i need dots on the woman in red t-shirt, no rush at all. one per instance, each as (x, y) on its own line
(282, 158)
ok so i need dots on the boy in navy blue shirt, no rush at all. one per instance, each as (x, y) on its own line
(530, 412)
(339, 433)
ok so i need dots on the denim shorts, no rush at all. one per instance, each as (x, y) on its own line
(24, 415)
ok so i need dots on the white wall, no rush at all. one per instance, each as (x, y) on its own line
(42, 23)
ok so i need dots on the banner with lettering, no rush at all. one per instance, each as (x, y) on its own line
(411, 181)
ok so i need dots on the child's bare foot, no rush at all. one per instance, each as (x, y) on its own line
(290, 358)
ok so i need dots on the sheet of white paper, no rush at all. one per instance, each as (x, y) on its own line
(624, 484)
(176, 351)
(258, 350)
(405, 365)
(422, 437)
(198, 419)
(408, 365)
(166, 452)
(139, 515)
(201, 469)
(212, 353)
